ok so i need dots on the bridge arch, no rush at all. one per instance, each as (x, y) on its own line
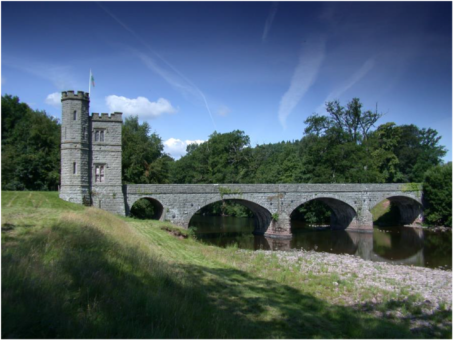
(262, 216)
(343, 214)
(409, 207)
(157, 205)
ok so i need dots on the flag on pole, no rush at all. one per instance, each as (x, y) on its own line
(90, 82)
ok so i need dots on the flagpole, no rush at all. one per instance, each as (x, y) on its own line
(89, 85)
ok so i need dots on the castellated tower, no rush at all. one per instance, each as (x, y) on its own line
(75, 148)
(91, 155)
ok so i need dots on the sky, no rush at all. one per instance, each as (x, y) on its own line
(192, 68)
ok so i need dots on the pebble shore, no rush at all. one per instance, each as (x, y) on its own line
(433, 285)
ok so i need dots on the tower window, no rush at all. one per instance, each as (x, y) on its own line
(75, 115)
(74, 168)
(99, 135)
(99, 174)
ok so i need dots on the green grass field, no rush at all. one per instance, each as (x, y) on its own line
(75, 272)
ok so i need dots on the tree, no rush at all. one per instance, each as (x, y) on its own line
(350, 120)
(224, 158)
(417, 151)
(30, 147)
(143, 157)
(437, 195)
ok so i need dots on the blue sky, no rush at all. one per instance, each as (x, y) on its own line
(189, 69)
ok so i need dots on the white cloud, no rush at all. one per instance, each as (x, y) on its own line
(177, 147)
(140, 106)
(3, 80)
(304, 75)
(356, 77)
(269, 21)
(223, 111)
(54, 99)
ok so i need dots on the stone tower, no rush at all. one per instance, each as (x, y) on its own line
(75, 148)
(91, 155)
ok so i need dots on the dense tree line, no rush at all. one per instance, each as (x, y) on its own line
(30, 147)
(340, 148)
(344, 146)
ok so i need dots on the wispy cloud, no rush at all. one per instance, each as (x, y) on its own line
(60, 75)
(356, 77)
(305, 74)
(140, 106)
(177, 147)
(54, 99)
(269, 21)
(168, 72)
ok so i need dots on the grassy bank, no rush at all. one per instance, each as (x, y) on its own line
(75, 272)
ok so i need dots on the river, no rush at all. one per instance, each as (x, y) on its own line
(399, 245)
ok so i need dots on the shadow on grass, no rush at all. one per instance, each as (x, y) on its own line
(75, 282)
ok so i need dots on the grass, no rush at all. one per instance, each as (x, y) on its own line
(75, 272)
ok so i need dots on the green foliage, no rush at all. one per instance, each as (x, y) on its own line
(226, 208)
(275, 217)
(143, 157)
(437, 195)
(30, 147)
(313, 212)
(143, 209)
(224, 158)
(227, 191)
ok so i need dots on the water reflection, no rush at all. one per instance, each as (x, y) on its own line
(399, 245)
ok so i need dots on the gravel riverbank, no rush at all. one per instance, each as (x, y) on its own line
(366, 285)
(433, 285)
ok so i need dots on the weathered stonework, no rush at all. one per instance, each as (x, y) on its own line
(79, 147)
(350, 203)
(272, 204)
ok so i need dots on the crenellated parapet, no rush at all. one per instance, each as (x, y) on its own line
(105, 117)
(70, 95)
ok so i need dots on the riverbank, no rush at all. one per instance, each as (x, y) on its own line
(433, 287)
(75, 272)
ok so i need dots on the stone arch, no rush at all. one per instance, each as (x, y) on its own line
(262, 216)
(410, 208)
(343, 214)
(158, 206)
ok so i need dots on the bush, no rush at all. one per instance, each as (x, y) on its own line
(437, 195)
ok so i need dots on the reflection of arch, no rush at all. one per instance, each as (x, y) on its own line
(342, 212)
(262, 216)
(409, 208)
(158, 207)
(400, 244)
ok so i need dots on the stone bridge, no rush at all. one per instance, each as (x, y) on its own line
(273, 204)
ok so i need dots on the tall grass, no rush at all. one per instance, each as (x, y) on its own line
(83, 273)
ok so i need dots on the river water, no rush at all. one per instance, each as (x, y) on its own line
(399, 245)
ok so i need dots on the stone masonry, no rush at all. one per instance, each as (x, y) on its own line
(91, 157)
(90, 144)
(350, 203)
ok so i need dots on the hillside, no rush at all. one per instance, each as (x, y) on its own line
(75, 272)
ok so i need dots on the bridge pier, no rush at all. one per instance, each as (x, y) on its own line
(280, 228)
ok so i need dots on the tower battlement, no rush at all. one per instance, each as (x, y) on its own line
(67, 95)
(115, 116)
